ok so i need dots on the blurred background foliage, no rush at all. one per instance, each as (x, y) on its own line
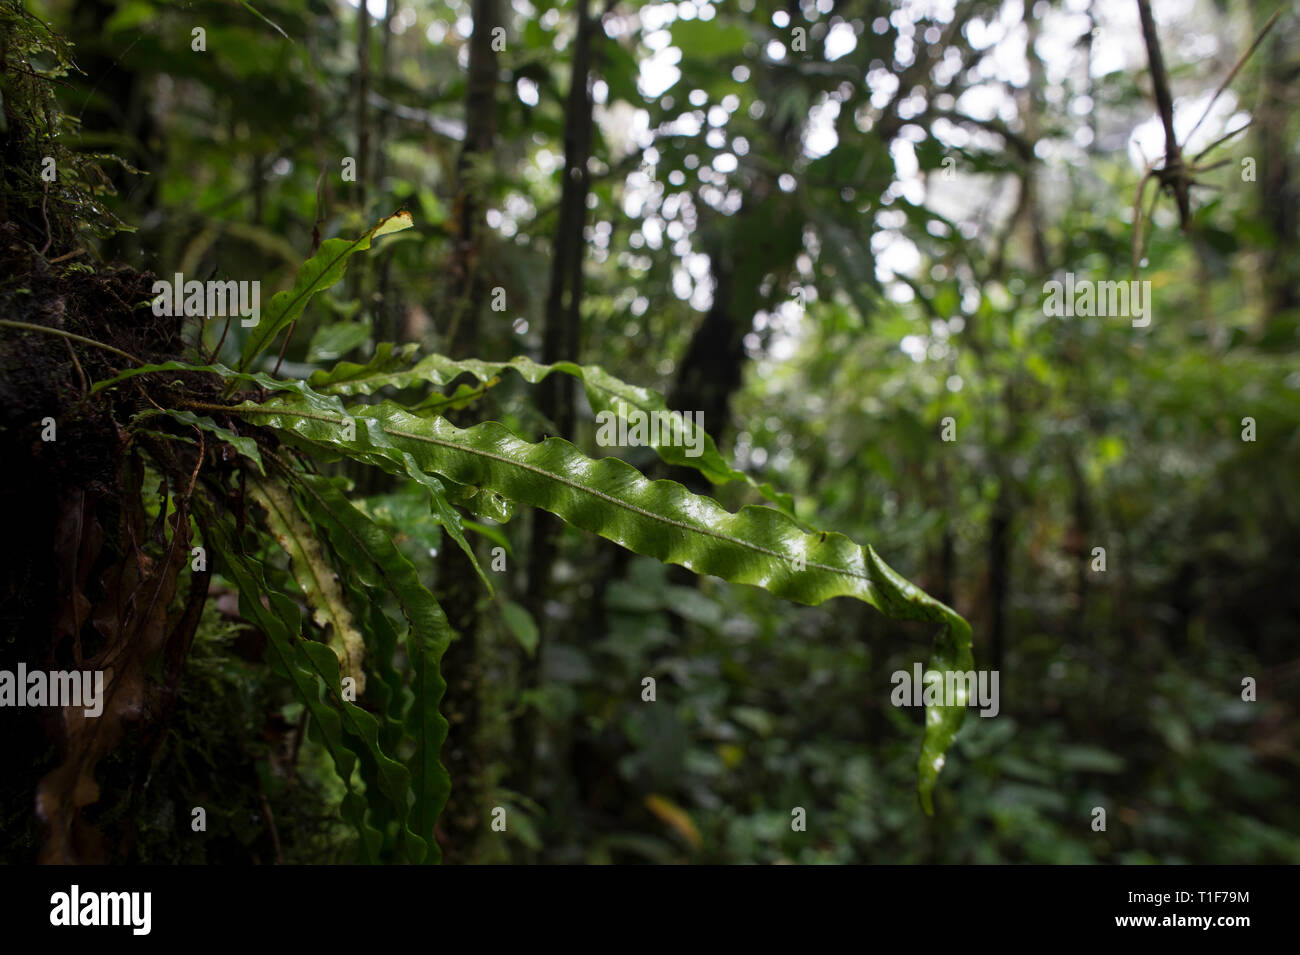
(828, 242)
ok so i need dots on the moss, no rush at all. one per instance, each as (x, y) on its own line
(52, 216)
(230, 751)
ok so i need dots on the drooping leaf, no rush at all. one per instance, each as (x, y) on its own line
(394, 778)
(280, 621)
(445, 513)
(310, 569)
(388, 701)
(351, 734)
(375, 559)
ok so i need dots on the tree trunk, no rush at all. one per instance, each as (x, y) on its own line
(560, 340)
(459, 589)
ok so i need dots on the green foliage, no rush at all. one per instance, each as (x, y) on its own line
(279, 620)
(321, 271)
(757, 545)
(399, 368)
(802, 203)
(378, 568)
